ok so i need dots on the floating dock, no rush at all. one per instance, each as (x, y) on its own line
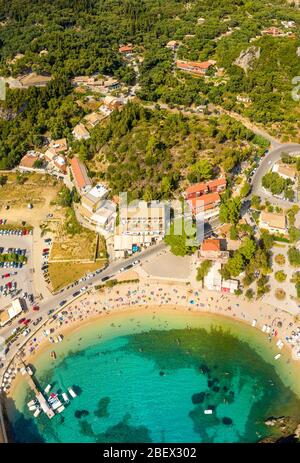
(38, 394)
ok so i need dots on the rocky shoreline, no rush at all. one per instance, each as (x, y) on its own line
(287, 428)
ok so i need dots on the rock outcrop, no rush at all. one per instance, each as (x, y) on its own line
(247, 58)
(286, 430)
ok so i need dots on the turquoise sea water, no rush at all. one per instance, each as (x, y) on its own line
(152, 384)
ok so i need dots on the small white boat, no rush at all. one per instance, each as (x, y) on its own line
(29, 371)
(254, 322)
(56, 405)
(31, 403)
(72, 393)
(51, 400)
(277, 356)
(32, 408)
(37, 412)
(208, 411)
(47, 389)
(60, 409)
(65, 397)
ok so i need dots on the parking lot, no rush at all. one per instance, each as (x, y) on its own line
(16, 281)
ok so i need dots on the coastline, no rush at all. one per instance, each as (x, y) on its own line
(124, 301)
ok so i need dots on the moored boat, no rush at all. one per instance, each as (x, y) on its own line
(65, 397)
(72, 393)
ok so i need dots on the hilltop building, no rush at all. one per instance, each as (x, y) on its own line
(28, 161)
(200, 68)
(80, 132)
(126, 49)
(58, 146)
(172, 45)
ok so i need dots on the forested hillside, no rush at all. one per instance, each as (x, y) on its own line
(81, 37)
(152, 154)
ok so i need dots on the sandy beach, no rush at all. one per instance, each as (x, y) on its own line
(157, 297)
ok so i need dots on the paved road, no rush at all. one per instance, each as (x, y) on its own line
(67, 295)
(250, 125)
(265, 166)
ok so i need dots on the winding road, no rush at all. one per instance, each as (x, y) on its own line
(265, 166)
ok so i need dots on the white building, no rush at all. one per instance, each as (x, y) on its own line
(10, 312)
(288, 172)
(141, 224)
(273, 222)
(80, 132)
(97, 209)
(213, 281)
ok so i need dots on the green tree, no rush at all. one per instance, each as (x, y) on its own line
(245, 190)
(200, 171)
(256, 202)
(249, 294)
(294, 234)
(203, 269)
(294, 256)
(230, 210)
(235, 265)
(248, 248)
(178, 238)
(280, 276)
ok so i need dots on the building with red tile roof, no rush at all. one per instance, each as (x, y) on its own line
(126, 48)
(27, 162)
(196, 190)
(199, 189)
(219, 185)
(204, 203)
(60, 163)
(194, 66)
(213, 249)
(80, 175)
(211, 245)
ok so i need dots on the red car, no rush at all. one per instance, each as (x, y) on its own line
(35, 308)
(6, 275)
(26, 322)
(46, 250)
(22, 320)
(9, 284)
